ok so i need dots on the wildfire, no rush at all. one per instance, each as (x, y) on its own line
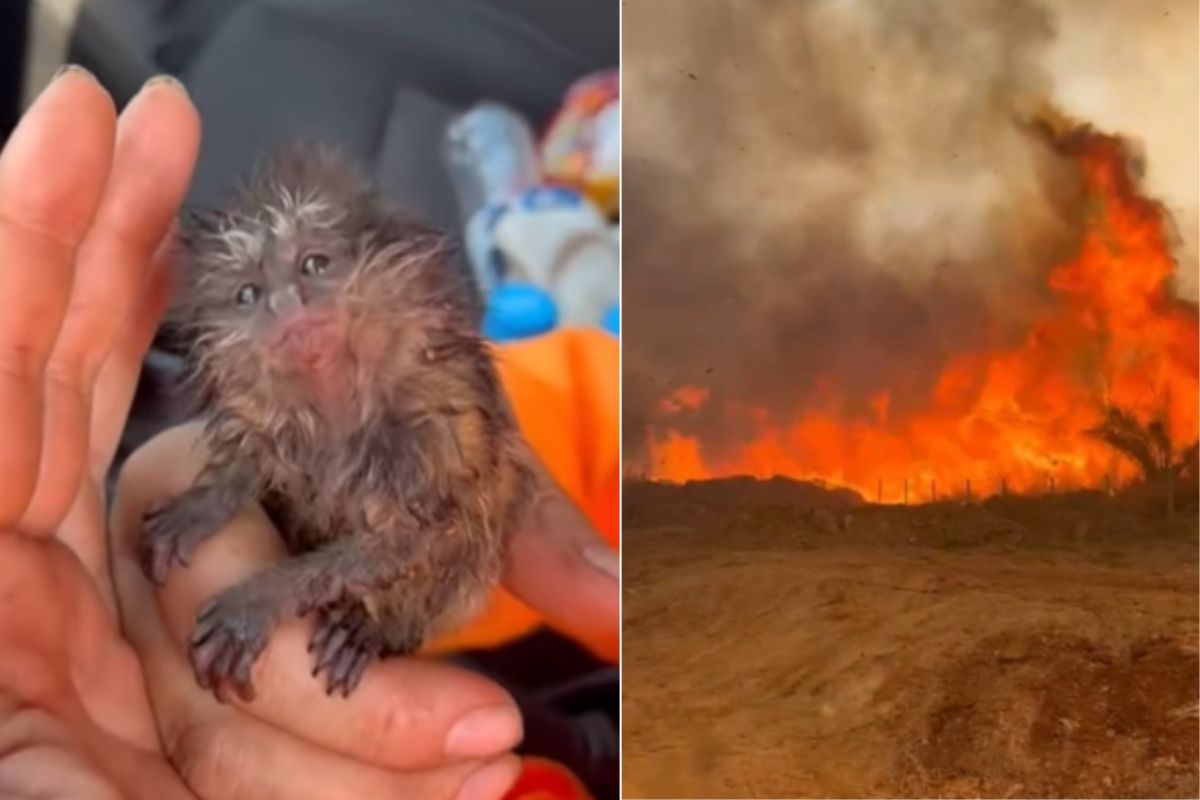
(1018, 419)
(685, 398)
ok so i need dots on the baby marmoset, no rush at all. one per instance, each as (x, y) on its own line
(334, 354)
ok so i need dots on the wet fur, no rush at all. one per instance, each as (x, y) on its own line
(395, 479)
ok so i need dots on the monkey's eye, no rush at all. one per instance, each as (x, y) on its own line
(248, 295)
(314, 264)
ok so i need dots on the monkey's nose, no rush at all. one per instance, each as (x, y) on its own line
(281, 301)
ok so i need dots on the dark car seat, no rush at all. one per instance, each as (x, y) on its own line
(379, 78)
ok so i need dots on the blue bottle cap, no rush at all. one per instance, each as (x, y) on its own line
(611, 321)
(518, 311)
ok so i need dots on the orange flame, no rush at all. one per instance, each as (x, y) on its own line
(685, 398)
(1017, 419)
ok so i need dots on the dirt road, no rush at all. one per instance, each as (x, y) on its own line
(893, 656)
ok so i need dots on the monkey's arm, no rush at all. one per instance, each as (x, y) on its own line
(172, 532)
(232, 629)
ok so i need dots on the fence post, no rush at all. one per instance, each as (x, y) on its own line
(879, 491)
(968, 490)
(906, 491)
(1170, 492)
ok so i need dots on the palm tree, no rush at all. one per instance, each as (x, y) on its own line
(1149, 446)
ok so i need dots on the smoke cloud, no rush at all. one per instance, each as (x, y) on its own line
(845, 192)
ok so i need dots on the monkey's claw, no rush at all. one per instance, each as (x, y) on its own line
(171, 534)
(230, 634)
(345, 642)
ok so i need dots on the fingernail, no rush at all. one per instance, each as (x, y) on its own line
(484, 732)
(72, 69)
(490, 782)
(603, 558)
(166, 80)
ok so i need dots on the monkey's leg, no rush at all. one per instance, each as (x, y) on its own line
(346, 641)
(173, 531)
(233, 628)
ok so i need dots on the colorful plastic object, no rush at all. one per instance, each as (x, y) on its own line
(545, 780)
(611, 321)
(556, 238)
(517, 311)
(582, 146)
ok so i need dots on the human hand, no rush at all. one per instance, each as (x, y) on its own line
(85, 204)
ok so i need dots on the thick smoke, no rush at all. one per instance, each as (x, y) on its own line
(1133, 67)
(844, 192)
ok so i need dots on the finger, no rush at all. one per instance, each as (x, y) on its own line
(236, 756)
(157, 139)
(118, 378)
(558, 564)
(52, 173)
(406, 713)
(114, 391)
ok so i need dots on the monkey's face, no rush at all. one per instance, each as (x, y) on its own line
(308, 274)
(272, 288)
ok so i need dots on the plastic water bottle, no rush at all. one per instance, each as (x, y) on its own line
(491, 156)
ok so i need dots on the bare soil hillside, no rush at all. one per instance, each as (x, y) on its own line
(810, 645)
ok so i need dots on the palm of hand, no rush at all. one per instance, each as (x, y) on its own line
(79, 726)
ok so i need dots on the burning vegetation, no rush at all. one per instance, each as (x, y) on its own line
(1100, 391)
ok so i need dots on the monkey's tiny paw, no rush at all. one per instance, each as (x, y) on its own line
(347, 639)
(171, 534)
(231, 632)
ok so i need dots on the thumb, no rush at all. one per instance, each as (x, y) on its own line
(559, 565)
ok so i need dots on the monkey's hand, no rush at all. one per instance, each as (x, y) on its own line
(172, 531)
(231, 632)
(232, 629)
(347, 639)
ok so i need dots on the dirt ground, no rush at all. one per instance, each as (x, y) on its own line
(1017, 648)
